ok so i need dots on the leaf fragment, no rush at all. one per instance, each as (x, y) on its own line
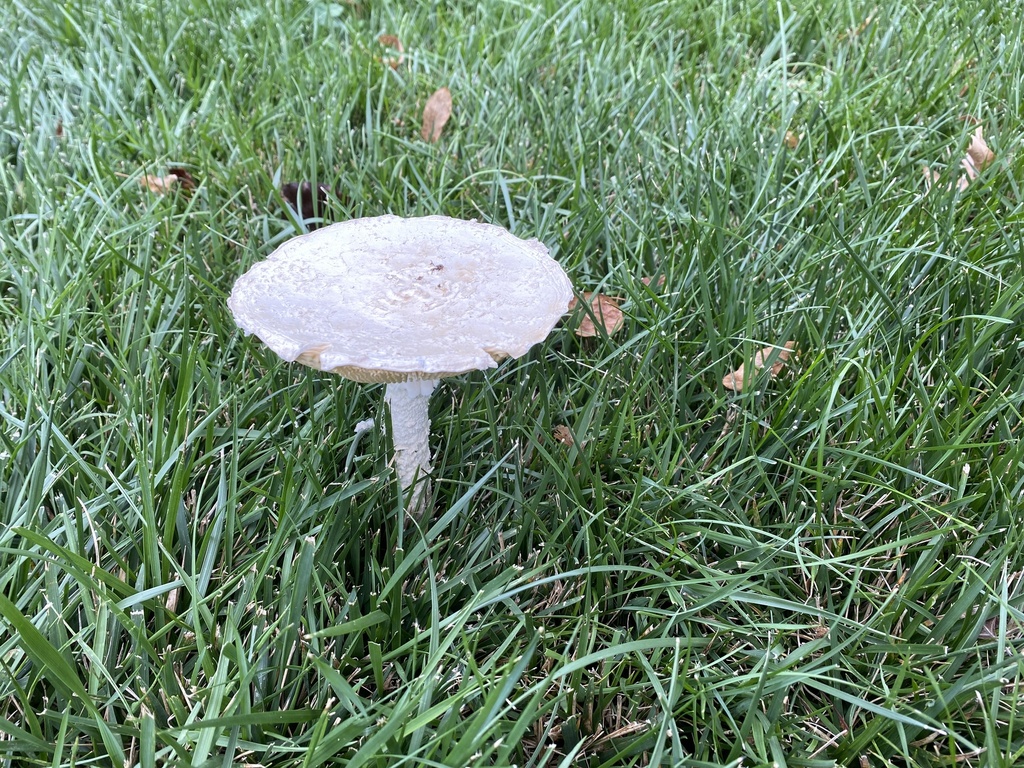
(738, 378)
(185, 178)
(931, 177)
(854, 32)
(392, 42)
(978, 157)
(605, 309)
(435, 114)
(652, 283)
(308, 200)
(159, 185)
(562, 434)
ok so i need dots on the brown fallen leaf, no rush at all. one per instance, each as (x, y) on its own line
(791, 140)
(392, 42)
(435, 114)
(990, 629)
(605, 309)
(979, 156)
(736, 380)
(185, 178)
(659, 283)
(309, 201)
(854, 32)
(977, 159)
(177, 176)
(562, 434)
(931, 177)
(159, 185)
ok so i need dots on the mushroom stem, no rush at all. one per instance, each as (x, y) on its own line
(410, 434)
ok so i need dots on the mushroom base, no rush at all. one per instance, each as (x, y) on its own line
(408, 402)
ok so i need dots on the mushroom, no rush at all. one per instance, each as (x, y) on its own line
(404, 302)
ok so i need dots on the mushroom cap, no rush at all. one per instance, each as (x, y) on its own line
(392, 299)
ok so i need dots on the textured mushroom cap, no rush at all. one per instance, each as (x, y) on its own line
(393, 299)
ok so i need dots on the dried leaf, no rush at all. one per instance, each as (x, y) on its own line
(185, 178)
(866, 23)
(990, 629)
(177, 176)
(736, 380)
(309, 201)
(159, 185)
(435, 114)
(979, 156)
(932, 177)
(791, 140)
(562, 434)
(660, 282)
(392, 42)
(605, 309)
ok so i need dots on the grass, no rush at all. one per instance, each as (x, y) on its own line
(201, 564)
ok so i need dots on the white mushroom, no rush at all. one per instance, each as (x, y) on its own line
(405, 302)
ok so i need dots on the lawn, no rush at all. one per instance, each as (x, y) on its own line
(627, 563)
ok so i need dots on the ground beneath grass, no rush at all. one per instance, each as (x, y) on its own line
(628, 563)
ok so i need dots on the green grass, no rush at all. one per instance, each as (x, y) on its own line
(201, 564)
